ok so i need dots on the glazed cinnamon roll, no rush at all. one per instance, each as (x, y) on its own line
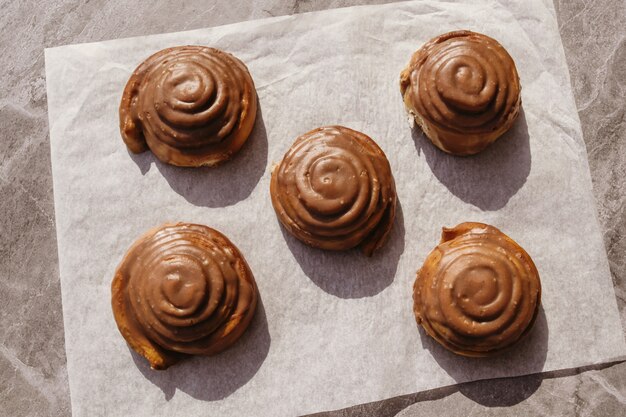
(478, 291)
(334, 190)
(190, 105)
(182, 289)
(463, 90)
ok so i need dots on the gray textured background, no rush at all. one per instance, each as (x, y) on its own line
(33, 376)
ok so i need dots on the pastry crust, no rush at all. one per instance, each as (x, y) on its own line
(463, 90)
(478, 292)
(190, 105)
(334, 190)
(182, 289)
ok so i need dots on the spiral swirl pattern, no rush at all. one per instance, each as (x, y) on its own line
(191, 105)
(478, 291)
(463, 89)
(334, 190)
(182, 289)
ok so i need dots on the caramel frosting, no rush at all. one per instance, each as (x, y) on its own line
(478, 291)
(190, 105)
(463, 90)
(334, 190)
(182, 289)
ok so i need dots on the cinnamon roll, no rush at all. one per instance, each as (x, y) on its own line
(478, 291)
(463, 90)
(190, 105)
(334, 190)
(182, 289)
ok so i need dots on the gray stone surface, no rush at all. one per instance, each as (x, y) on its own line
(33, 377)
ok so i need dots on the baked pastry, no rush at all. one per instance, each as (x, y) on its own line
(190, 105)
(334, 190)
(478, 291)
(182, 289)
(463, 90)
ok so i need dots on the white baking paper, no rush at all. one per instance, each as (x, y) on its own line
(334, 329)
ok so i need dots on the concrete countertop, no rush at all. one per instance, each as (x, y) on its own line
(33, 375)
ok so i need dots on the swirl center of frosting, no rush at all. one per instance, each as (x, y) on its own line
(182, 285)
(478, 290)
(478, 284)
(463, 82)
(186, 87)
(334, 180)
(466, 79)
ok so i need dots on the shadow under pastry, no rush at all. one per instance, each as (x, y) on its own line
(212, 378)
(528, 356)
(488, 179)
(500, 392)
(220, 186)
(350, 274)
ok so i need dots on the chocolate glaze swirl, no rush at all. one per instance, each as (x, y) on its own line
(463, 90)
(182, 289)
(191, 105)
(478, 291)
(334, 190)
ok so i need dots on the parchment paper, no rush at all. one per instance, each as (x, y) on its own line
(334, 329)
